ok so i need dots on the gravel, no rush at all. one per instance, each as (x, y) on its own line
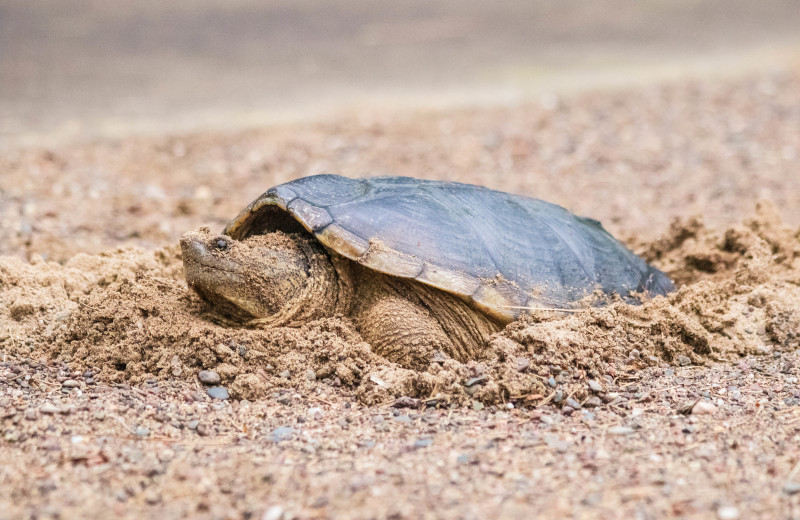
(208, 377)
(218, 392)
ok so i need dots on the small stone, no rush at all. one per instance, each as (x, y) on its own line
(791, 488)
(683, 360)
(142, 432)
(282, 433)
(477, 406)
(204, 430)
(551, 382)
(70, 383)
(285, 399)
(311, 375)
(593, 402)
(477, 381)
(403, 419)
(609, 397)
(572, 403)
(423, 443)
(208, 377)
(406, 402)
(273, 513)
(217, 392)
(594, 386)
(620, 430)
(378, 419)
(49, 409)
(521, 364)
(193, 424)
(315, 413)
(728, 513)
(703, 408)
(285, 374)
(30, 414)
(152, 497)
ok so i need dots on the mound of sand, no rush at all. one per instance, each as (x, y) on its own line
(128, 316)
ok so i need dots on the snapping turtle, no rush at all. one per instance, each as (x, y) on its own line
(418, 265)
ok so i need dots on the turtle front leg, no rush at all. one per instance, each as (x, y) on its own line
(396, 326)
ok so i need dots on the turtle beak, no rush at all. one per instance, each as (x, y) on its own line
(197, 249)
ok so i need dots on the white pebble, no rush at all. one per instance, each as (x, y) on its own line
(728, 513)
(704, 408)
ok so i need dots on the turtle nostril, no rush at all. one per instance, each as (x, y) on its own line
(221, 243)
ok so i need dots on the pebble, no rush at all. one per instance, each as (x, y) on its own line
(551, 382)
(406, 402)
(477, 406)
(49, 409)
(593, 402)
(193, 424)
(285, 374)
(594, 386)
(30, 414)
(403, 419)
(208, 377)
(573, 403)
(311, 375)
(521, 364)
(477, 380)
(142, 432)
(282, 433)
(703, 408)
(620, 430)
(203, 430)
(284, 399)
(70, 383)
(791, 488)
(423, 443)
(273, 513)
(218, 392)
(728, 513)
(315, 413)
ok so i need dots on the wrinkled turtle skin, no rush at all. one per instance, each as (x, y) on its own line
(418, 265)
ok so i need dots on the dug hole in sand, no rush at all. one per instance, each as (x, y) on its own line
(128, 316)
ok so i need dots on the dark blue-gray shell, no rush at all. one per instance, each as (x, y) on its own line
(502, 252)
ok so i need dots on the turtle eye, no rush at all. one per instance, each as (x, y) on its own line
(221, 243)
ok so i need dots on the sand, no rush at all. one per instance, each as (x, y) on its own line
(102, 341)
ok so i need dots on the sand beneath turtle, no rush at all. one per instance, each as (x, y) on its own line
(128, 316)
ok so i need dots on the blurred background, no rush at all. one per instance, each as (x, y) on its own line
(129, 123)
(81, 68)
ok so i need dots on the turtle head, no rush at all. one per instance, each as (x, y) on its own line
(260, 277)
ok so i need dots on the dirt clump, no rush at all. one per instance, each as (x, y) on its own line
(129, 317)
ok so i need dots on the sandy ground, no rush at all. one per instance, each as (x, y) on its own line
(683, 407)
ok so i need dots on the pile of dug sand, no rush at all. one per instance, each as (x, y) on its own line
(128, 316)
